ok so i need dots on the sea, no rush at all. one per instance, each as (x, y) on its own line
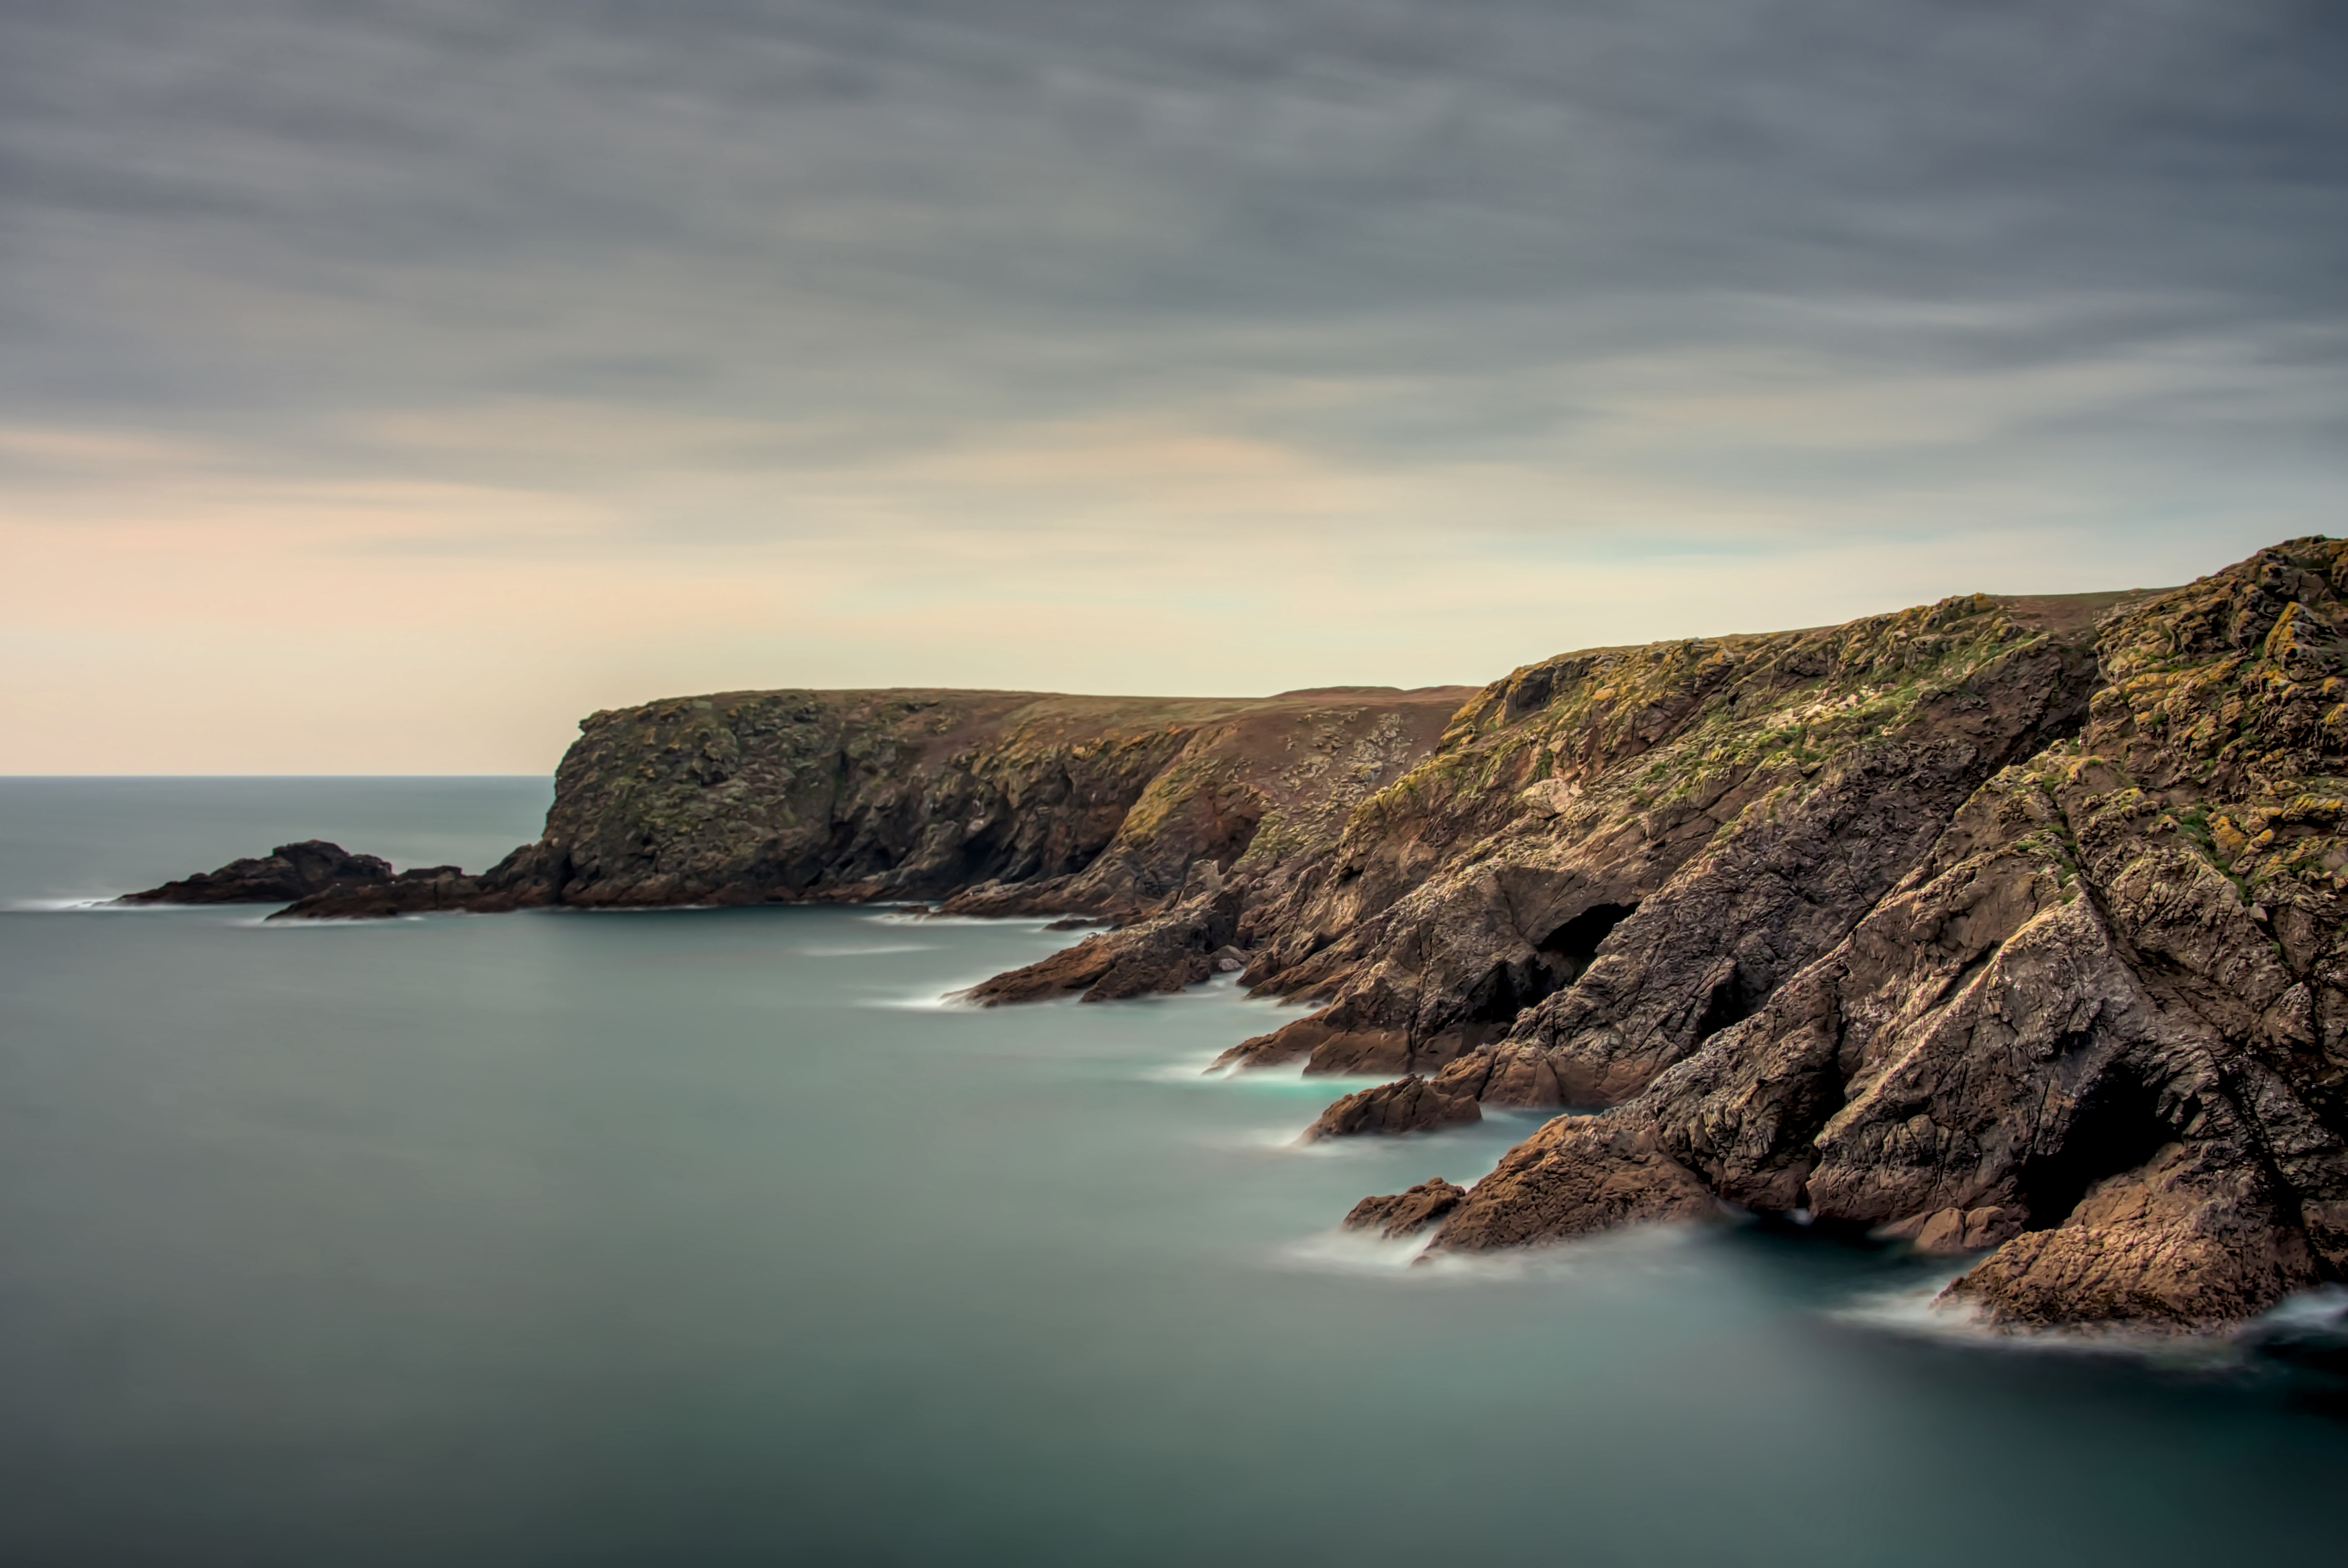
(727, 1236)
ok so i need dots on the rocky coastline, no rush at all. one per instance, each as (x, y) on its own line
(2008, 927)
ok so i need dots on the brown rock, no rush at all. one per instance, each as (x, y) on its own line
(998, 803)
(2168, 1247)
(1576, 1176)
(1399, 1214)
(1406, 1105)
(1164, 953)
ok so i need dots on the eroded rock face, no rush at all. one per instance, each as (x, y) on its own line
(1405, 1214)
(2098, 1029)
(1616, 854)
(289, 872)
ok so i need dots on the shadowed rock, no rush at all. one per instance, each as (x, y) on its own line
(289, 872)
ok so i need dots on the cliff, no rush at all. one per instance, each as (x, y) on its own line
(1004, 802)
(2000, 925)
(2026, 941)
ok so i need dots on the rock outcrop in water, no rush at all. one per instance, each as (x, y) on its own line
(289, 872)
(2002, 926)
(1405, 1213)
(1406, 1105)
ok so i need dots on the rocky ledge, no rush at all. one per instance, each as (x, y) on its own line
(2005, 927)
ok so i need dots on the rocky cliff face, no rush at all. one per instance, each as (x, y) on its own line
(1004, 802)
(2002, 926)
(1614, 855)
(2096, 1025)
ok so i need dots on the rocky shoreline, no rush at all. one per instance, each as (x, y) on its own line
(2006, 927)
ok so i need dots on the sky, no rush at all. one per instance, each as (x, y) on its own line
(386, 383)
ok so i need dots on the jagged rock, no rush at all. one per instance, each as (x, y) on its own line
(2167, 1246)
(1577, 1175)
(1617, 853)
(1399, 1214)
(1410, 1105)
(1164, 953)
(2098, 1029)
(289, 872)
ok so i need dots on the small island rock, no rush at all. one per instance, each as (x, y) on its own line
(288, 873)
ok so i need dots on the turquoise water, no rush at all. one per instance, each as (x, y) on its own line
(709, 1237)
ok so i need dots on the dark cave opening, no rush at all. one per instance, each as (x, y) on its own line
(1732, 1000)
(1575, 943)
(2115, 1128)
(1558, 959)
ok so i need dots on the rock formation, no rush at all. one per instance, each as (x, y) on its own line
(1999, 926)
(2097, 1026)
(1405, 1213)
(289, 872)
(1406, 1105)
(998, 803)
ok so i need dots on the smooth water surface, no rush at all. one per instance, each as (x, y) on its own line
(710, 1236)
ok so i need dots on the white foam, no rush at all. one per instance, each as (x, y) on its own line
(1620, 1256)
(872, 951)
(1917, 1311)
(992, 922)
(1354, 1252)
(2323, 1308)
(1192, 1072)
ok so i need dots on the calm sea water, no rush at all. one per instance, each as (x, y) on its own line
(709, 1237)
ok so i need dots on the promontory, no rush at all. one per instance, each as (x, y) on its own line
(2008, 927)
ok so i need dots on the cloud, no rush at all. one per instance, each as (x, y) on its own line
(1242, 339)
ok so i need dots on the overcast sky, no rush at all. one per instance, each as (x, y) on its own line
(385, 384)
